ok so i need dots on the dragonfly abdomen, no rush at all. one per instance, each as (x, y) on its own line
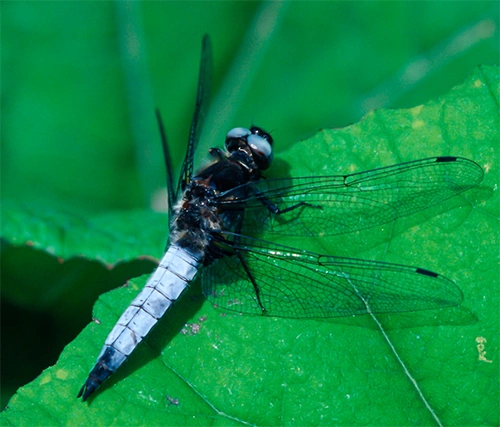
(176, 269)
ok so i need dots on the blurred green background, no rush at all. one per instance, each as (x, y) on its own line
(80, 81)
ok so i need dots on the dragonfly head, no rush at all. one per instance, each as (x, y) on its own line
(255, 140)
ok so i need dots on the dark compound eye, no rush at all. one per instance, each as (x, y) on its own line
(238, 133)
(261, 149)
(262, 133)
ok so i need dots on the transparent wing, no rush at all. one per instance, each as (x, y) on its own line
(202, 97)
(334, 205)
(168, 163)
(300, 284)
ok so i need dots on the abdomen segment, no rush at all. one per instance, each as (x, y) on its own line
(176, 269)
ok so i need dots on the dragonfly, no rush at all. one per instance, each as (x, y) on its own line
(218, 212)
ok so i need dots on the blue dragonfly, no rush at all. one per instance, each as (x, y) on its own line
(218, 212)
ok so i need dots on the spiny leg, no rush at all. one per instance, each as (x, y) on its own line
(271, 207)
(252, 279)
(245, 265)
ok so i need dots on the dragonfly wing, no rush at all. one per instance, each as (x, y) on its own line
(301, 284)
(168, 164)
(335, 205)
(202, 97)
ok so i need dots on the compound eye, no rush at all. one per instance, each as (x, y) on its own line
(262, 133)
(261, 149)
(238, 133)
(259, 145)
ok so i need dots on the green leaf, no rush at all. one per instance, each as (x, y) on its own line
(202, 366)
(110, 238)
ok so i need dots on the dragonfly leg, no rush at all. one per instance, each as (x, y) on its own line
(245, 267)
(271, 207)
(252, 279)
(277, 211)
(298, 205)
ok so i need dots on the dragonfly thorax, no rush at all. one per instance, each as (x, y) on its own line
(198, 216)
(195, 214)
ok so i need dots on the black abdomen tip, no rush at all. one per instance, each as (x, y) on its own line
(102, 370)
(88, 388)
